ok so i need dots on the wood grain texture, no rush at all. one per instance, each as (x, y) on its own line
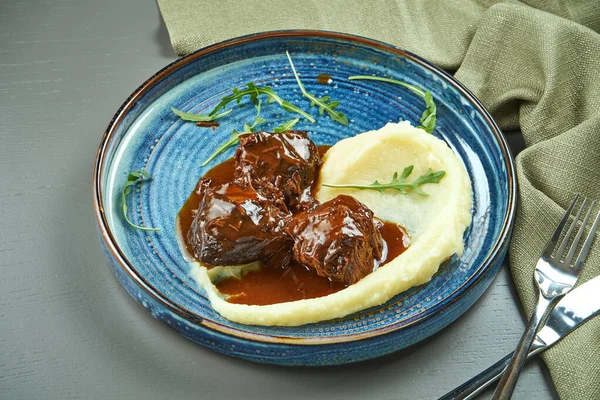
(67, 328)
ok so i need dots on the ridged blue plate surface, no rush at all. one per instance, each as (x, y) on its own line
(145, 134)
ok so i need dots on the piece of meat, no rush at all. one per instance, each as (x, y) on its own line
(287, 161)
(339, 239)
(235, 225)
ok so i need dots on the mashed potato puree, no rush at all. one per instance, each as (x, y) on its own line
(435, 223)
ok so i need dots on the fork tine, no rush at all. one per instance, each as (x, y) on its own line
(569, 233)
(552, 242)
(588, 244)
(551, 245)
(580, 233)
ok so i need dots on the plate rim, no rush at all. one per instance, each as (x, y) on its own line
(112, 245)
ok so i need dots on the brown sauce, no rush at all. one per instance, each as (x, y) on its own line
(323, 149)
(221, 174)
(324, 79)
(396, 240)
(296, 282)
(278, 285)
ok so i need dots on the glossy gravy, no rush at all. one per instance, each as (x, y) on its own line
(278, 285)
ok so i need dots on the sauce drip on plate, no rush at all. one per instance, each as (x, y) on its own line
(324, 79)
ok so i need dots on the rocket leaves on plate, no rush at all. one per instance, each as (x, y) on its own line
(254, 91)
(398, 182)
(191, 117)
(286, 126)
(235, 135)
(321, 102)
(220, 273)
(135, 177)
(428, 118)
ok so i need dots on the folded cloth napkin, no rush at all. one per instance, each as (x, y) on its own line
(535, 64)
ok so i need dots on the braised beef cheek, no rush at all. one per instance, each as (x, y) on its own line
(339, 239)
(236, 225)
(287, 161)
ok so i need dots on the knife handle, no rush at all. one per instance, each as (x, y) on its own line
(477, 384)
(473, 387)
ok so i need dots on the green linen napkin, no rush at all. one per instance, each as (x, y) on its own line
(534, 64)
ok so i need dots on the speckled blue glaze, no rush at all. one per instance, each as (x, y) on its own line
(145, 134)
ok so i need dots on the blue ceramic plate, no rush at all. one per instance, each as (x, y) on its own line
(145, 134)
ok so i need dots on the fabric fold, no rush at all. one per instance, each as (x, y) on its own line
(543, 73)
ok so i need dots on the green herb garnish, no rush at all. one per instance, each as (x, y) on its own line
(235, 135)
(399, 183)
(287, 126)
(191, 117)
(233, 140)
(220, 273)
(254, 91)
(428, 118)
(134, 177)
(319, 102)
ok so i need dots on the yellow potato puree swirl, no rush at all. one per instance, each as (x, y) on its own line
(435, 223)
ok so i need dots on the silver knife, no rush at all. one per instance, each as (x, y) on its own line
(579, 305)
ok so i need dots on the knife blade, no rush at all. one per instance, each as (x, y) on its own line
(575, 308)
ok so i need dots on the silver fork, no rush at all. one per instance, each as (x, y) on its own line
(555, 276)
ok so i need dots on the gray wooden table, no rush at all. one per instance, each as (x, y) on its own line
(67, 328)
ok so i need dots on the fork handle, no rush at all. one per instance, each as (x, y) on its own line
(509, 379)
(476, 385)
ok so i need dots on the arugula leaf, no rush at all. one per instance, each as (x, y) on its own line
(320, 102)
(287, 126)
(186, 116)
(399, 183)
(235, 135)
(254, 91)
(133, 178)
(428, 118)
(233, 140)
(220, 273)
